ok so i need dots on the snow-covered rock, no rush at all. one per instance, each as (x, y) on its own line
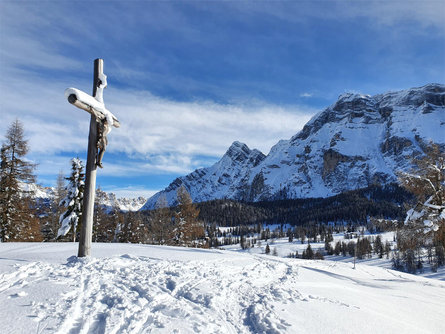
(358, 141)
(45, 194)
(38, 191)
(125, 204)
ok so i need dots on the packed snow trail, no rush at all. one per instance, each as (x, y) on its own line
(153, 289)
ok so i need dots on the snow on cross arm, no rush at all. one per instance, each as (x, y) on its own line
(93, 103)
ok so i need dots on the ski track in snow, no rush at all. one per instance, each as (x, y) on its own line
(144, 294)
(219, 292)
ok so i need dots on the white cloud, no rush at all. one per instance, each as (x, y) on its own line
(159, 164)
(159, 136)
(425, 12)
(305, 94)
(151, 125)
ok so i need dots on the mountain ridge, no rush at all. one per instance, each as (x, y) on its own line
(108, 200)
(357, 141)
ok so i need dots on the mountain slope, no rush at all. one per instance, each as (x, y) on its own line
(224, 179)
(358, 141)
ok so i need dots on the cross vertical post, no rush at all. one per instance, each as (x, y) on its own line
(101, 122)
(86, 233)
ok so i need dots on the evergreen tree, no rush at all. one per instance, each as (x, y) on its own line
(290, 235)
(267, 250)
(18, 221)
(161, 222)
(188, 228)
(387, 248)
(134, 228)
(410, 261)
(378, 246)
(308, 253)
(338, 248)
(73, 201)
(328, 246)
(318, 255)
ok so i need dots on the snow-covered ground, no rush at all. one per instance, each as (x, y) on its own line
(283, 248)
(129, 288)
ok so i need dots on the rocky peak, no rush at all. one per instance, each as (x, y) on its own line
(353, 102)
(240, 152)
(433, 94)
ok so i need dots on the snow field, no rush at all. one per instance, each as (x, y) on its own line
(284, 248)
(160, 289)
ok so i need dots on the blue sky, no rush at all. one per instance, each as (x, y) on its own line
(187, 78)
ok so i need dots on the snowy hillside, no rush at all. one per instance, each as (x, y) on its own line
(143, 289)
(358, 141)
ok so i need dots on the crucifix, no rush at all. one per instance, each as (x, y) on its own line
(100, 125)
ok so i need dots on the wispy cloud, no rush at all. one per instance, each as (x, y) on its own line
(151, 124)
(187, 79)
(157, 136)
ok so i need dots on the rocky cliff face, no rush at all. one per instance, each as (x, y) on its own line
(358, 141)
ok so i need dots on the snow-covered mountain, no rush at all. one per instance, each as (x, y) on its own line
(125, 204)
(357, 141)
(109, 200)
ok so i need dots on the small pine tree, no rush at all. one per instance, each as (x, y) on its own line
(267, 250)
(387, 248)
(318, 255)
(73, 201)
(328, 246)
(275, 252)
(338, 248)
(378, 246)
(290, 235)
(410, 261)
(309, 252)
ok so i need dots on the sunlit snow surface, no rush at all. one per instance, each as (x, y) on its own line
(154, 289)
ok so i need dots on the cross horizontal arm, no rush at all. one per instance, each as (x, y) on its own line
(88, 103)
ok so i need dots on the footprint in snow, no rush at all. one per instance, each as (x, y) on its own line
(18, 294)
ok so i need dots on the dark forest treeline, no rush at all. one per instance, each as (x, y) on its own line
(351, 207)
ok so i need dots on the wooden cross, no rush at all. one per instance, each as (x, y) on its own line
(101, 121)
